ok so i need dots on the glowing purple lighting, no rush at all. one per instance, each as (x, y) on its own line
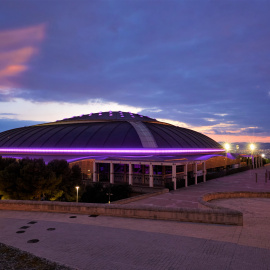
(157, 151)
(90, 114)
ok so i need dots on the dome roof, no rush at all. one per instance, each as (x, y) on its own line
(108, 130)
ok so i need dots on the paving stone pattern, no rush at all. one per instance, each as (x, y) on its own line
(122, 243)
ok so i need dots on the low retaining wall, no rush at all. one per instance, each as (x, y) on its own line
(204, 200)
(140, 197)
(217, 216)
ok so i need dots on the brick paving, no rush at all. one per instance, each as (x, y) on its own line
(121, 243)
(188, 197)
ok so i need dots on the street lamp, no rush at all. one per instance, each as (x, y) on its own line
(77, 193)
(252, 147)
(227, 147)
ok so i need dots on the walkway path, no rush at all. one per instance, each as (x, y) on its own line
(188, 197)
(117, 243)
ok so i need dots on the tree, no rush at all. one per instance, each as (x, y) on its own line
(28, 179)
(9, 180)
(37, 181)
(4, 162)
(71, 177)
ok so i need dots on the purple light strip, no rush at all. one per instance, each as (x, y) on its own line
(111, 151)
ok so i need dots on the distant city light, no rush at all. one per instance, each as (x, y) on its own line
(263, 155)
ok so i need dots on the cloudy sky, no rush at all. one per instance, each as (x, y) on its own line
(199, 64)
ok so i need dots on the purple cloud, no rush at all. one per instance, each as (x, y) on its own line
(199, 57)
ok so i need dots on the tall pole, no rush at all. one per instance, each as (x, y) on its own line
(77, 193)
(252, 147)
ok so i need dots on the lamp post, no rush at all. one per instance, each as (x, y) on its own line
(77, 193)
(227, 148)
(262, 158)
(252, 147)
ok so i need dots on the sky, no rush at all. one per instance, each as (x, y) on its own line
(201, 64)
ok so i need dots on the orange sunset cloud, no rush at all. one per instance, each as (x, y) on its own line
(17, 47)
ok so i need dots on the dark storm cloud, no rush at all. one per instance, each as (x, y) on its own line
(189, 59)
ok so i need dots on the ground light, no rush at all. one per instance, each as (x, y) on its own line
(77, 193)
(109, 194)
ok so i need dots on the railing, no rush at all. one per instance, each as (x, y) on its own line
(214, 175)
(120, 178)
(137, 179)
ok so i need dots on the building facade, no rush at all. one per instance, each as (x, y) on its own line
(122, 147)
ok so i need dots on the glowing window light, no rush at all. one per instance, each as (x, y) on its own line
(110, 151)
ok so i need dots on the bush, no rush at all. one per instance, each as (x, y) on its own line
(99, 193)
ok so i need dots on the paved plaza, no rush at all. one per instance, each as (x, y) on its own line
(188, 197)
(84, 242)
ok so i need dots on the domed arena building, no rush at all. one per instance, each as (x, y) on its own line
(119, 147)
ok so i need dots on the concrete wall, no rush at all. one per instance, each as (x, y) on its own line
(143, 196)
(204, 200)
(217, 216)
